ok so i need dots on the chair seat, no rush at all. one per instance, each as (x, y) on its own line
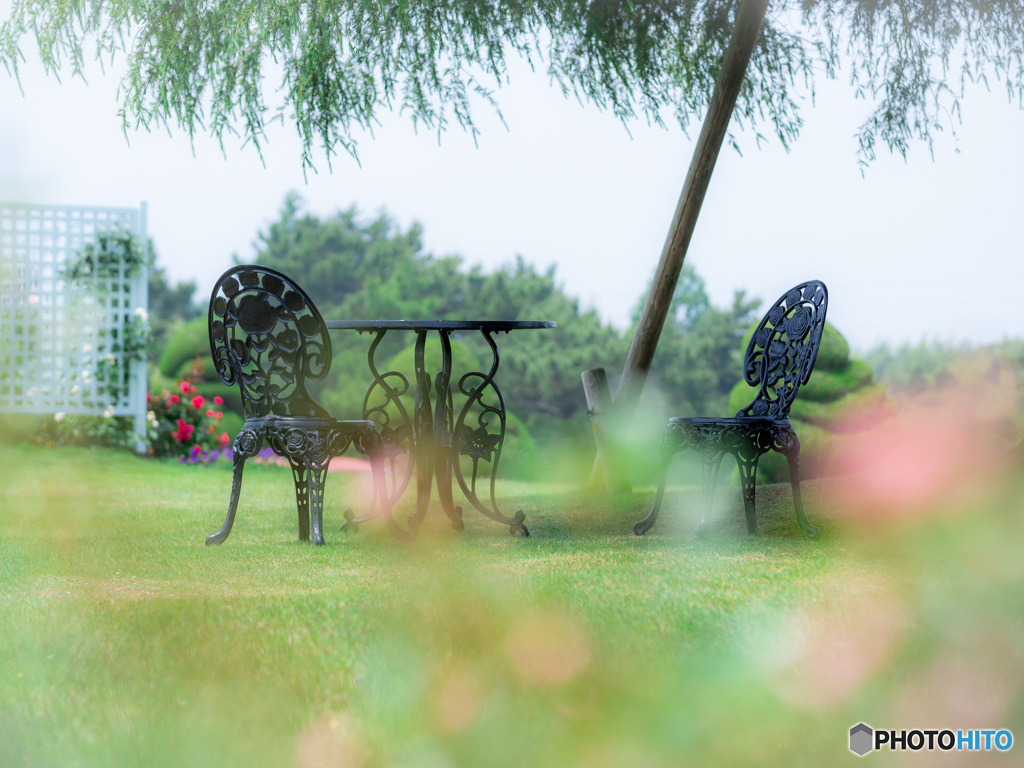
(728, 420)
(259, 422)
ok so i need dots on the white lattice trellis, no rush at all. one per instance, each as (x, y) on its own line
(62, 343)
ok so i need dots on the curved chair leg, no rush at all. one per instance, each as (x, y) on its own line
(792, 453)
(236, 489)
(708, 481)
(640, 527)
(748, 484)
(301, 496)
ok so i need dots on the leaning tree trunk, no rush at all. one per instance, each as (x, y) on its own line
(712, 133)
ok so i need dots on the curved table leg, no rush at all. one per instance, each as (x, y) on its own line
(423, 434)
(393, 438)
(443, 427)
(479, 443)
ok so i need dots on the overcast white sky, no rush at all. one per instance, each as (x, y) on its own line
(915, 249)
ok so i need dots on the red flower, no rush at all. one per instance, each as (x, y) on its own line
(220, 415)
(223, 440)
(218, 400)
(184, 387)
(212, 430)
(211, 414)
(196, 450)
(184, 431)
(197, 401)
(175, 399)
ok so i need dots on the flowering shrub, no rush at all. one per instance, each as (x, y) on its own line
(186, 425)
(107, 430)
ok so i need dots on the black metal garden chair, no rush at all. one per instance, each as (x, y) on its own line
(267, 337)
(779, 359)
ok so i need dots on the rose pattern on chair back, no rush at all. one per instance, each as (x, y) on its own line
(783, 348)
(268, 336)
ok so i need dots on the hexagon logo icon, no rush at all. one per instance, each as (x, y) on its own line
(861, 739)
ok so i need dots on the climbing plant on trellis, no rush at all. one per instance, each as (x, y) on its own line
(73, 303)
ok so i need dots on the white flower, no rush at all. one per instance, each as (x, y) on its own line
(86, 349)
(142, 314)
(151, 416)
(86, 375)
(59, 416)
(74, 390)
(109, 413)
(111, 360)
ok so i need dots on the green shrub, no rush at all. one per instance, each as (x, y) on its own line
(186, 343)
(834, 352)
(826, 386)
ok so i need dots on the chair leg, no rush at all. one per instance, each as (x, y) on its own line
(316, 478)
(301, 496)
(792, 454)
(748, 484)
(708, 481)
(236, 489)
(640, 527)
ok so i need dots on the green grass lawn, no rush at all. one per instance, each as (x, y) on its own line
(124, 641)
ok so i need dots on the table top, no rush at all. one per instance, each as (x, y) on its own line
(494, 326)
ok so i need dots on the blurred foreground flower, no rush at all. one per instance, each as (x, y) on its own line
(458, 700)
(830, 648)
(333, 741)
(940, 453)
(547, 648)
(973, 680)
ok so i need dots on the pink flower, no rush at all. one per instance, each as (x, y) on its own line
(218, 400)
(196, 450)
(197, 402)
(184, 387)
(223, 440)
(220, 415)
(211, 413)
(175, 399)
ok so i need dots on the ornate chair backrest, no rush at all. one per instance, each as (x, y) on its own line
(267, 336)
(783, 348)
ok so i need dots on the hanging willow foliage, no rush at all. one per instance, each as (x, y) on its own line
(204, 64)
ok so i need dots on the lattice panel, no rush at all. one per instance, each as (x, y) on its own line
(61, 342)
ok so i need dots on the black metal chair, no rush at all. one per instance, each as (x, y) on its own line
(267, 336)
(779, 358)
